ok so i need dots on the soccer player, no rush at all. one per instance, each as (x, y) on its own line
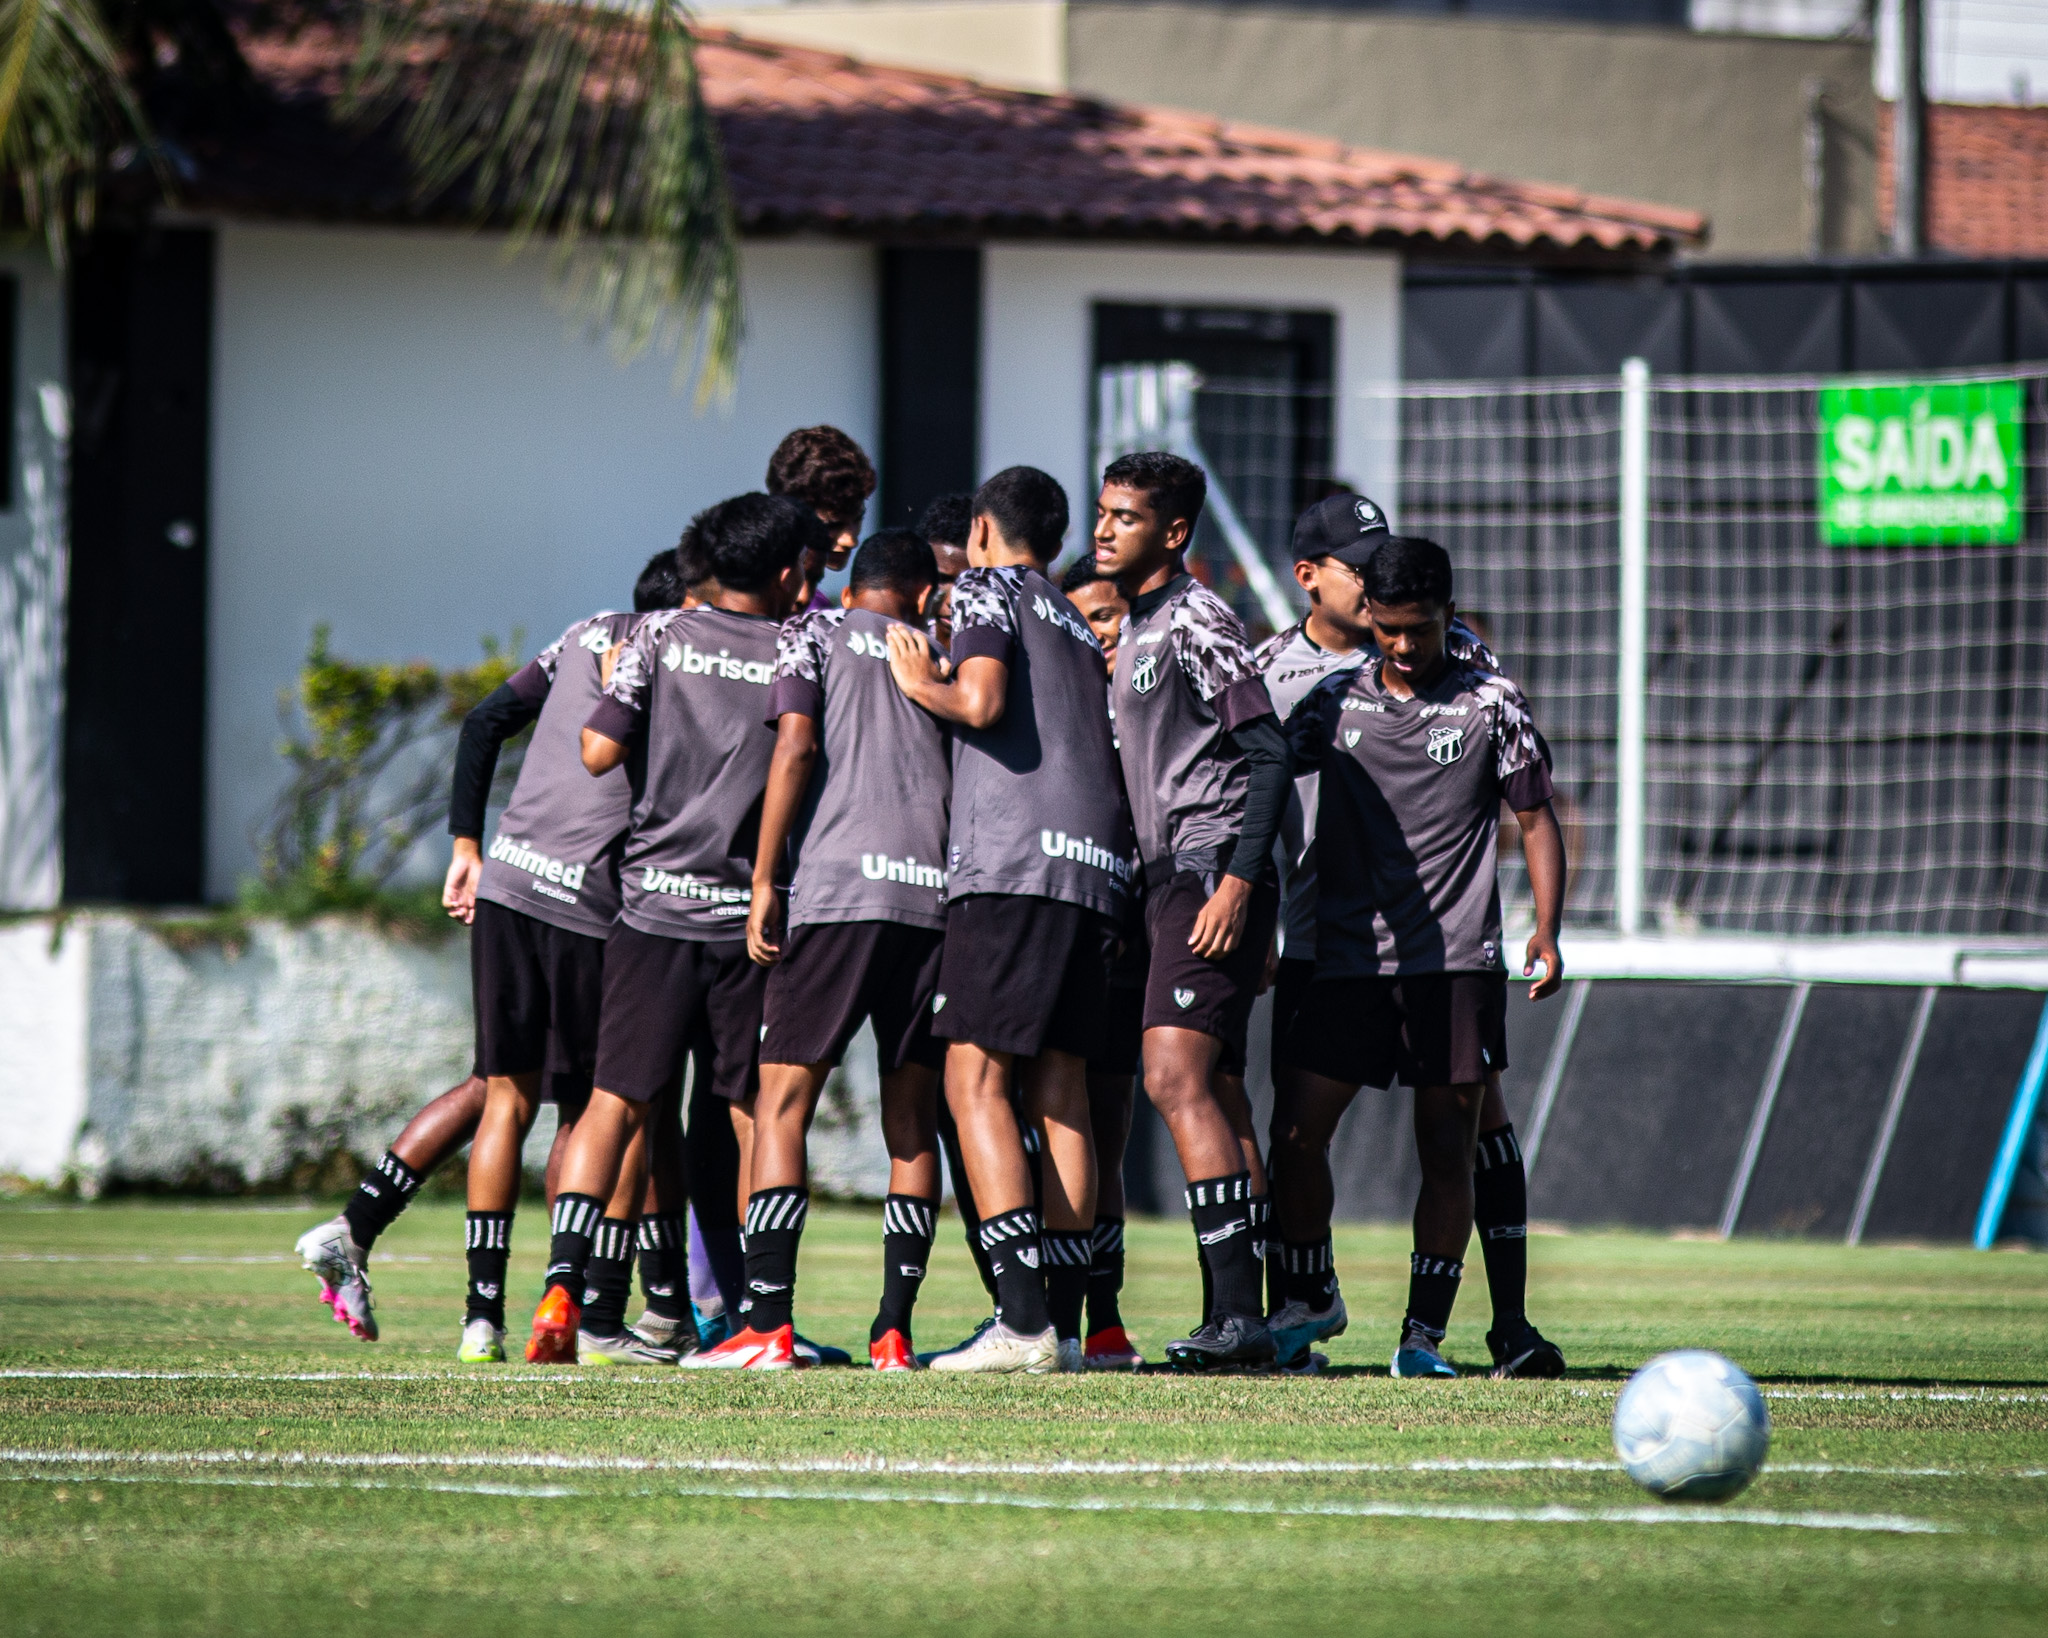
(831, 474)
(339, 1250)
(1113, 1067)
(1417, 749)
(684, 714)
(1034, 890)
(857, 791)
(1207, 773)
(944, 524)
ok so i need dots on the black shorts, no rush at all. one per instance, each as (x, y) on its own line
(1123, 1033)
(1182, 991)
(1024, 975)
(664, 995)
(537, 990)
(1428, 1029)
(835, 975)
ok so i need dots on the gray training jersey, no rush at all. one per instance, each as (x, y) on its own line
(1184, 679)
(689, 695)
(1036, 798)
(1293, 663)
(1409, 816)
(555, 855)
(871, 839)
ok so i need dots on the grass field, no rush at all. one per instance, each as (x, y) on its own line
(192, 1446)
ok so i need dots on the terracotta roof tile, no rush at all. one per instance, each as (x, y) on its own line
(815, 141)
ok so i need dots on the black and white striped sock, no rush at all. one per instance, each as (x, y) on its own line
(1105, 1274)
(664, 1244)
(908, 1224)
(380, 1197)
(574, 1222)
(1500, 1212)
(1011, 1239)
(775, 1225)
(1069, 1254)
(487, 1247)
(1432, 1289)
(608, 1277)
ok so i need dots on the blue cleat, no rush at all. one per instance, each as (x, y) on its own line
(1418, 1357)
(1297, 1327)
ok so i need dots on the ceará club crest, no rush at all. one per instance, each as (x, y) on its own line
(1145, 673)
(1446, 745)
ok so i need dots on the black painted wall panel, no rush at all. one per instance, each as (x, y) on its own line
(1829, 1106)
(1956, 1110)
(1650, 1117)
(931, 376)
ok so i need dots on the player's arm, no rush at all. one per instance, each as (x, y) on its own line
(789, 777)
(1219, 924)
(971, 693)
(1543, 848)
(495, 718)
(620, 714)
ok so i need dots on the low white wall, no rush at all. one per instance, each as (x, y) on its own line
(1037, 350)
(42, 1048)
(410, 445)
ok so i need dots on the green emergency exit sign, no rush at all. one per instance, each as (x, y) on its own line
(1921, 463)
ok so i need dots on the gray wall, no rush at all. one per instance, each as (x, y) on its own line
(1711, 122)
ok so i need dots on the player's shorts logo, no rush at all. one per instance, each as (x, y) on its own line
(1183, 999)
(1352, 737)
(938, 1003)
(1446, 745)
(1145, 673)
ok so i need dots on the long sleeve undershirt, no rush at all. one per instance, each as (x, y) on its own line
(1264, 748)
(500, 715)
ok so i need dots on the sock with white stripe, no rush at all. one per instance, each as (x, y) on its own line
(1105, 1274)
(1222, 1211)
(1262, 1243)
(608, 1277)
(1310, 1271)
(379, 1198)
(775, 1224)
(908, 1224)
(1432, 1289)
(663, 1241)
(575, 1220)
(1011, 1240)
(487, 1243)
(1500, 1212)
(1069, 1254)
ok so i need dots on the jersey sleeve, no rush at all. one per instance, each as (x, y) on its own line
(532, 681)
(1271, 649)
(1214, 653)
(1468, 648)
(621, 711)
(985, 614)
(802, 649)
(1308, 724)
(1521, 762)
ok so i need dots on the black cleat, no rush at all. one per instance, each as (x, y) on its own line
(1525, 1353)
(1224, 1342)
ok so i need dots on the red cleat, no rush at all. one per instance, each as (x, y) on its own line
(555, 1323)
(893, 1353)
(748, 1350)
(1110, 1350)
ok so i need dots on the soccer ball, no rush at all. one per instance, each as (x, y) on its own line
(1691, 1426)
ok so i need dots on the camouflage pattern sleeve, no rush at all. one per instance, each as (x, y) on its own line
(802, 649)
(985, 612)
(1468, 648)
(1520, 766)
(622, 708)
(1267, 652)
(1210, 643)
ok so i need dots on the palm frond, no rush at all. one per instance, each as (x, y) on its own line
(583, 123)
(64, 106)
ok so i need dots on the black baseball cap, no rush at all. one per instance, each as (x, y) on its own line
(1346, 527)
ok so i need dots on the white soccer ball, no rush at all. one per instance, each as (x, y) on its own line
(1691, 1426)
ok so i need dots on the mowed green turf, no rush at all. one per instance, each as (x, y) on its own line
(260, 1472)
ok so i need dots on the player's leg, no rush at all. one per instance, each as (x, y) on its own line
(1237, 1109)
(602, 1337)
(1308, 1306)
(1055, 1101)
(663, 1236)
(338, 1250)
(905, 979)
(1108, 1346)
(963, 1198)
(1500, 1213)
(510, 1104)
(711, 1160)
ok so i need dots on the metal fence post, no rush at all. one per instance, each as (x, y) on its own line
(1633, 644)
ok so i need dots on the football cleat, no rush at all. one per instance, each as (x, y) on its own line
(482, 1343)
(1296, 1326)
(679, 1336)
(973, 1337)
(819, 1353)
(1418, 1356)
(1312, 1363)
(995, 1347)
(1071, 1355)
(748, 1350)
(892, 1353)
(555, 1324)
(1524, 1353)
(1224, 1342)
(712, 1328)
(1110, 1349)
(331, 1252)
(627, 1348)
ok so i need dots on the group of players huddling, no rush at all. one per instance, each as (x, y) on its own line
(1040, 837)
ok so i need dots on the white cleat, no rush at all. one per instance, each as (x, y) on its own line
(1001, 1349)
(627, 1348)
(1071, 1357)
(331, 1252)
(482, 1343)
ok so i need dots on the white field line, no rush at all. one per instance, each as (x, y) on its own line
(1988, 1396)
(875, 1466)
(1887, 1523)
(195, 1257)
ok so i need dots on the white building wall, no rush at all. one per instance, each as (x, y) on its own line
(409, 445)
(34, 569)
(1037, 343)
